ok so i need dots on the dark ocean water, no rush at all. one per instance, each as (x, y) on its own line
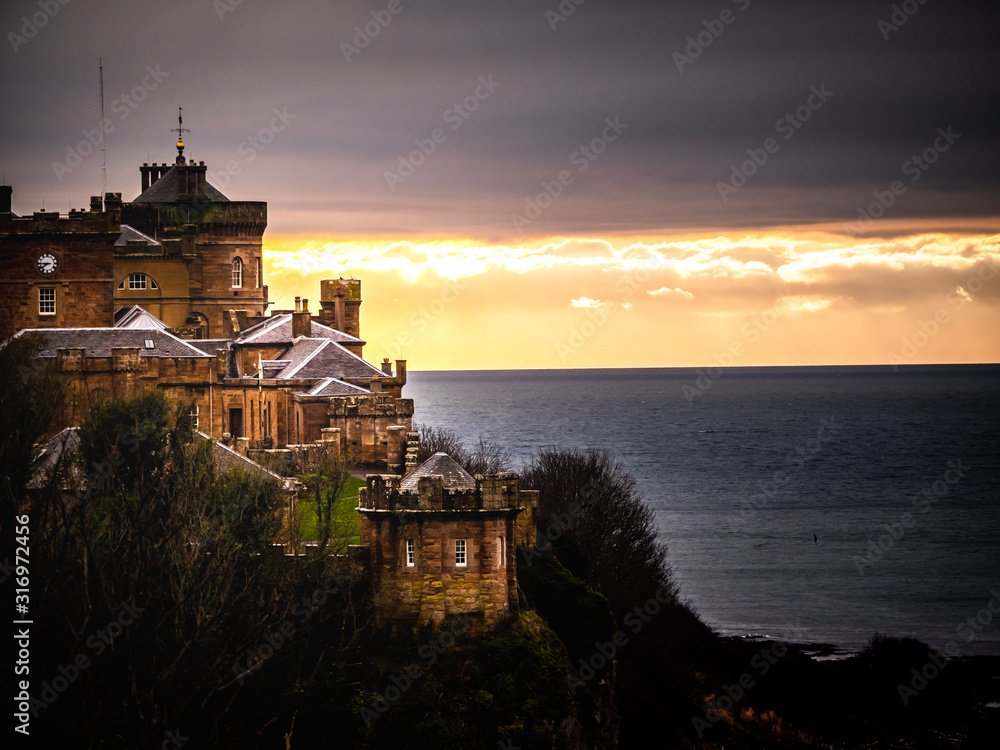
(743, 474)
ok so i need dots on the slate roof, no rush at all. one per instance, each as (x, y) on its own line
(133, 234)
(98, 342)
(278, 330)
(136, 317)
(62, 443)
(67, 443)
(440, 464)
(335, 387)
(226, 458)
(167, 190)
(323, 358)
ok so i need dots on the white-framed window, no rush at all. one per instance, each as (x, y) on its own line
(461, 559)
(194, 415)
(237, 273)
(501, 552)
(411, 553)
(138, 281)
(47, 300)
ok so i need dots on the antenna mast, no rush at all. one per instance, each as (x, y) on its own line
(104, 158)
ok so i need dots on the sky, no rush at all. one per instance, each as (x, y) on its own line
(559, 184)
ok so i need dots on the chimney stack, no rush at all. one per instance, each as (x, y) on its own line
(301, 319)
(6, 191)
(386, 366)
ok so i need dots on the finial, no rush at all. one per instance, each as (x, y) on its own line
(180, 130)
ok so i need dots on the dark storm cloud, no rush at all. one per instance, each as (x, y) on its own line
(349, 121)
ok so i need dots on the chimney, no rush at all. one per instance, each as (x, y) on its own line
(386, 366)
(6, 191)
(298, 304)
(301, 319)
(96, 206)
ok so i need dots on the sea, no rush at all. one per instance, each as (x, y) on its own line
(806, 504)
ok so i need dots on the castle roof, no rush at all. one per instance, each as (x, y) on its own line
(136, 317)
(278, 330)
(133, 235)
(443, 465)
(167, 189)
(98, 342)
(323, 358)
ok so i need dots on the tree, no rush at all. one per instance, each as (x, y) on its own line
(164, 590)
(325, 476)
(32, 401)
(485, 457)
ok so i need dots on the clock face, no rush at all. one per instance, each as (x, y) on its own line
(47, 263)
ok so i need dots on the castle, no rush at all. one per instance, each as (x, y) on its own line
(167, 291)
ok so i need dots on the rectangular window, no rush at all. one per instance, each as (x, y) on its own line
(411, 553)
(47, 300)
(194, 415)
(258, 273)
(137, 281)
(460, 558)
(501, 552)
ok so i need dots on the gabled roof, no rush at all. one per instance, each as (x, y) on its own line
(136, 317)
(167, 190)
(323, 358)
(335, 387)
(226, 458)
(134, 235)
(278, 330)
(440, 464)
(98, 342)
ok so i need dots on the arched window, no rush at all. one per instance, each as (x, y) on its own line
(138, 281)
(237, 273)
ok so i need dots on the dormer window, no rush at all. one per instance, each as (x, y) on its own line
(237, 273)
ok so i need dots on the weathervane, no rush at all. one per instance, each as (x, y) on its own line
(180, 130)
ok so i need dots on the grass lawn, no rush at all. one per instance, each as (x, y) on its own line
(345, 516)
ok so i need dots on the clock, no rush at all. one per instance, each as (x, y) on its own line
(47, 263)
